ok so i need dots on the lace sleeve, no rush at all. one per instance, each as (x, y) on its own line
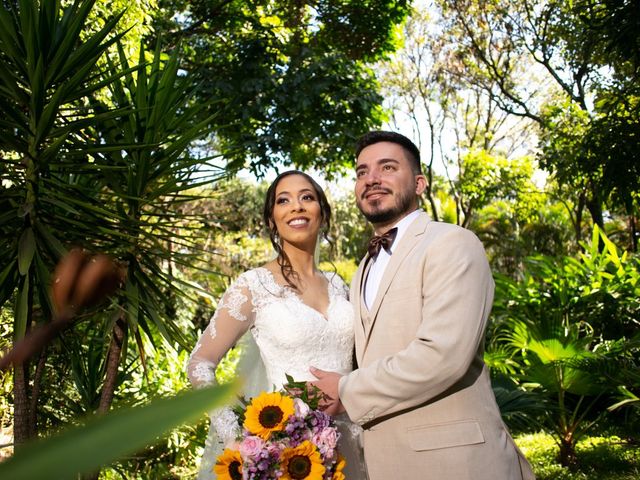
(232, 319)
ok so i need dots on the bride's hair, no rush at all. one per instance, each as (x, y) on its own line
(287, 270)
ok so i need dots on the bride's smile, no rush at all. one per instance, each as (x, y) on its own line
(300, 222)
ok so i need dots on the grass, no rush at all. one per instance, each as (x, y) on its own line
(600, 458)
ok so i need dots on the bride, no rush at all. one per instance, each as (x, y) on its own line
(297, 315)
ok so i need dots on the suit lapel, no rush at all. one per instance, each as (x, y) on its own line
(360, 310)
(407, 242)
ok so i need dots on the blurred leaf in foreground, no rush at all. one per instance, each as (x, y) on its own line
(104, 439)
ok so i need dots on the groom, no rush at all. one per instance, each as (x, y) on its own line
(422, 296)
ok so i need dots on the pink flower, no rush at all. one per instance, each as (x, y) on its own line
(327, 441)
(276, 448)
(251, 446)
(301, 408)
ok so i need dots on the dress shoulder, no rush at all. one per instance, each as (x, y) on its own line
(262, 285)
(256, 279)
(336, 283)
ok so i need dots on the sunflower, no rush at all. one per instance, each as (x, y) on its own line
(268, 413)
(338, 475)
(229, 465)
(302, 463)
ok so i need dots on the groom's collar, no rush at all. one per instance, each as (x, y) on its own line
(403, 225)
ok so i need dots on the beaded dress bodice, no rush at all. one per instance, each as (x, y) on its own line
(290, 335)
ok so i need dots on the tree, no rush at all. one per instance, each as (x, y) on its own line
(576, 88)
(291, 79)
(484, 178)
(43, 70)
(532, 223)
(455, 122)
(79, 171)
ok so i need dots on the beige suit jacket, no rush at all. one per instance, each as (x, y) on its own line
(422, 390)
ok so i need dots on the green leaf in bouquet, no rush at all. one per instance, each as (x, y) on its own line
(309, 394)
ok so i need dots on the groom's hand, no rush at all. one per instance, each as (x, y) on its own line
(328, 383)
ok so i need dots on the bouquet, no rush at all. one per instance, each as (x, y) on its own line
(284, 436)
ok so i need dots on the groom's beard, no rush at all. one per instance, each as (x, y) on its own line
(403, 204)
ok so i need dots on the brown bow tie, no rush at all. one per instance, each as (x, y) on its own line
(382, 241)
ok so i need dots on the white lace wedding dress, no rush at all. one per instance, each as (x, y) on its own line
(291, 337)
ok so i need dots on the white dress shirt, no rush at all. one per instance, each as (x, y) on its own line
(379, 264)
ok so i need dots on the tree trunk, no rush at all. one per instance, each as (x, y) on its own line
(429, 176)
(113, 363)
(594, 205)
(578, 223)
(35, 393)
(429, 194)
(23, 430)
(109, 385)
(21, 415)
(567, 456)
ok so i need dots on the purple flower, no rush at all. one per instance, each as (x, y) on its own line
(318, 421)
(296, 430)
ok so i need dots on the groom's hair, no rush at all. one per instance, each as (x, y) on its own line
(377, 136)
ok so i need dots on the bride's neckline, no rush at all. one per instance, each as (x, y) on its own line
(294, 294)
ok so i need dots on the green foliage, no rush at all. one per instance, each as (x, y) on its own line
(599, 289)
(509, 238)
(47, 78)
(45, 73)
(612, 141)
(615, 25)
(176, 454)
(350, 232)
(564, 145)
(147, 172)
(606, 457)
(567, 332)
(514, 217)
(485, 178)
(135, 22)
(292, 78)
(519, 408)
(232, 206)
